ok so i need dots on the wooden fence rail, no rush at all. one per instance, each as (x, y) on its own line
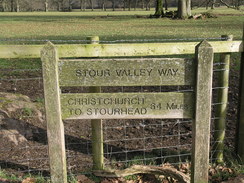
(117, 50)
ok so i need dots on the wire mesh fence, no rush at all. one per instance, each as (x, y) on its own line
(23, 135)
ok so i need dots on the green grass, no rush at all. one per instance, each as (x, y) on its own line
(25, 64)
(39, 178)
(5, 175)
(111, 25)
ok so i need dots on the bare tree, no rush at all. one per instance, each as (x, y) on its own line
(83, 4)
(238, 4)
(129, 5)
(235, 4)
(148, 5)
(124, 2)
(210, 3)
(229, 6)
(70, 5)
(135, 4)
(103, 5)
(113, 5)
(59, 5)
(92, 4)
(12, 5)
(142, 4)
(213, 4)
(46, 5)
(3, 5)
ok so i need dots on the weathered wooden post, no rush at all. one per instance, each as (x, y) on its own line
(240, 123)
(55, 128)
(97, 127)
(201, 124)
(220, 121)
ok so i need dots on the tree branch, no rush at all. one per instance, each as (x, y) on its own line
(140, 169)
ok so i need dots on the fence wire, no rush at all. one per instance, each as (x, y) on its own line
(24, 147)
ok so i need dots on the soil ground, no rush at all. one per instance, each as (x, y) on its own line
(127, 142)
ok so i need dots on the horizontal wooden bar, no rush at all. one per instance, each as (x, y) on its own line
(126, 72)
(117, 50)
(127, 105)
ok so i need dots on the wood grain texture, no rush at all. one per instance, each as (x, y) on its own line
(220, 121)
(96, 125)
(166, 171)
(55, 129)
(201, 125)
(127, 72)
(127, 105)
(117, 50)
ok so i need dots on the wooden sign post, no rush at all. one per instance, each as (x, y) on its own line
(201, 125)
(127, 72)
(55, 128)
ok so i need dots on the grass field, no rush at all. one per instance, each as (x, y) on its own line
(111, 25)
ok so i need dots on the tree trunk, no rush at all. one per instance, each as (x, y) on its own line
(182, 12)
(46, 5)
(148, 5)
(70, 5)
(92, 5)
(213, 4)
(238, 4)
(129, 5)
(17, 6)
(135, 4)
(103, 5)
(124, 5)
(2, 6)
(207, 4)
(60, 5)
(142, 4)
(159, 8)
(188, 8)
(82, 5)
(166, 4)
(113, 4)
(12, 5)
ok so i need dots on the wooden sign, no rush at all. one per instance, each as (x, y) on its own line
(129, 72)
(126, 72)
(127, 105)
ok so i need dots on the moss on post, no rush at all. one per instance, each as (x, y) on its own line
(55, 128)
(117, 50)
(220, 121)
(97, 126)
(201, 124)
